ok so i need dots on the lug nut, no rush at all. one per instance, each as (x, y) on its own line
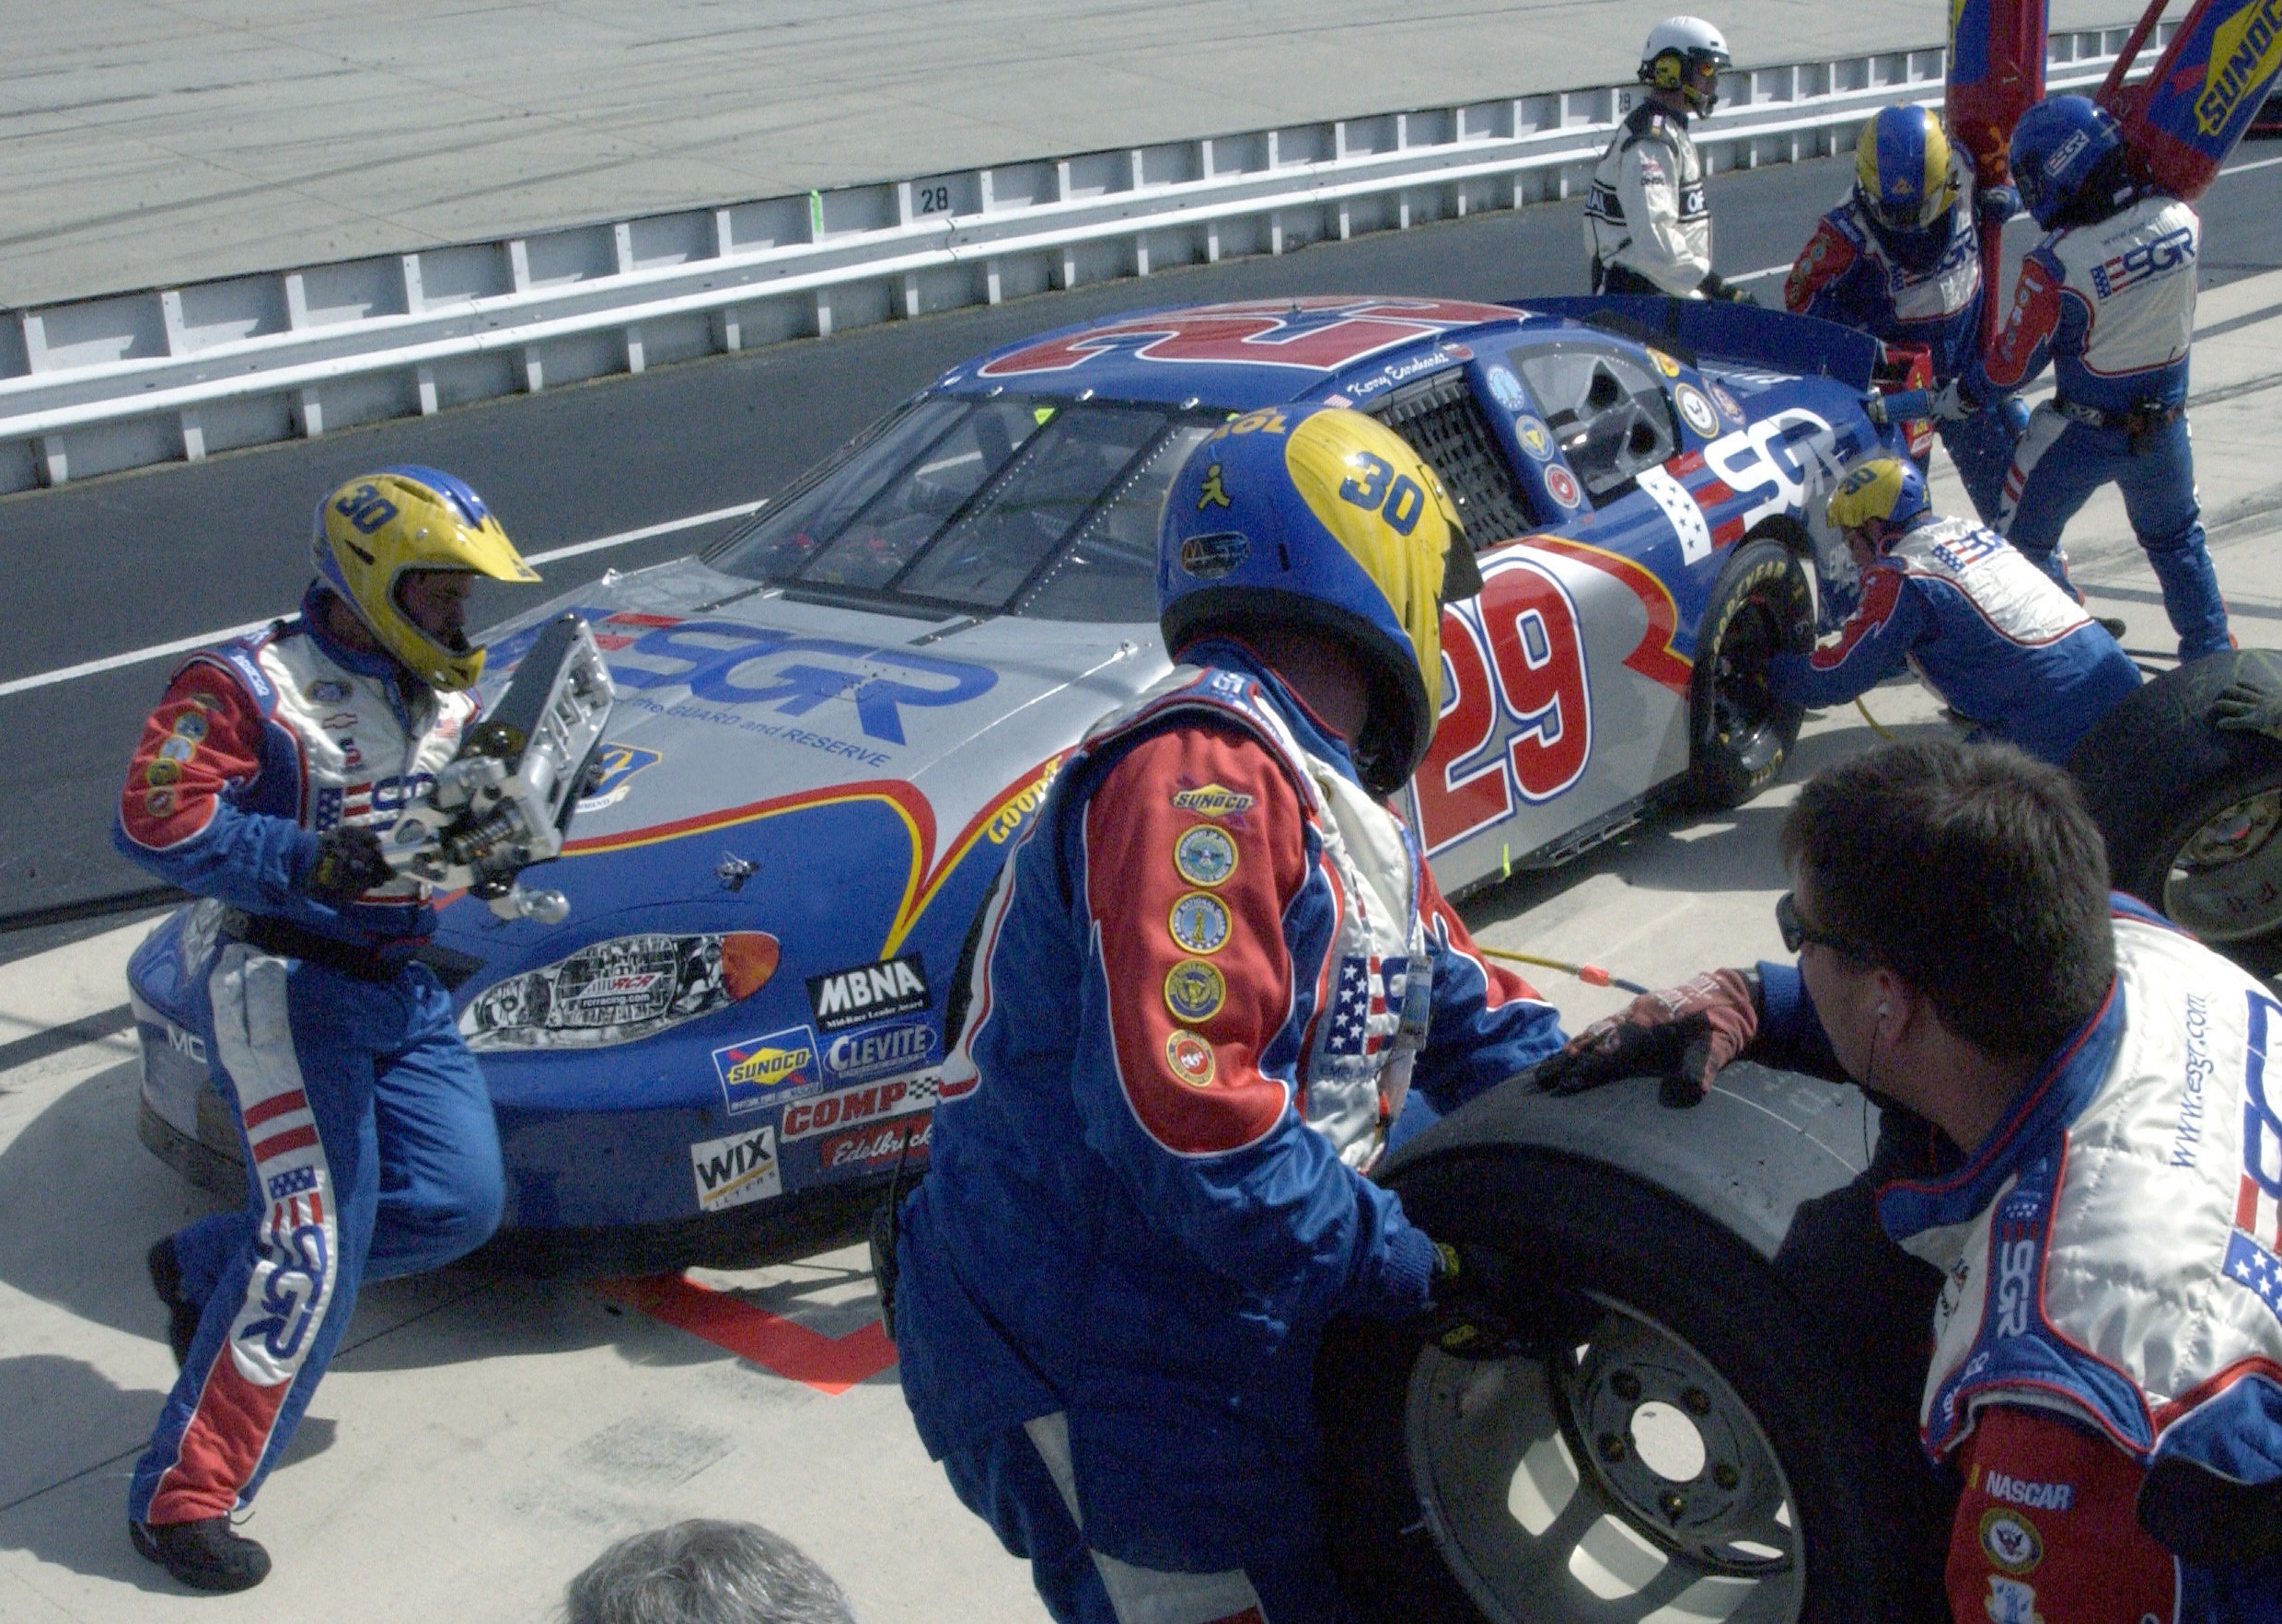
(1725, 1476)
(1612, 1449)
(1674, 1506)
(1626, 1386)
(1695, 1401)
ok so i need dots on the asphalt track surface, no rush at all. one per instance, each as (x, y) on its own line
(122, 564)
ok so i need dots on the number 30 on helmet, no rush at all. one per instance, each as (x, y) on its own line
(1320, 517)
(379, 528)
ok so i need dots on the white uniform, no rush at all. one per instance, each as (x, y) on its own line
(1647, 213)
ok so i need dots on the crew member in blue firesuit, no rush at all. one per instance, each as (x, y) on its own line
(2080, 1135)
(1216, 968)
(263, 781)
(1900, 260)
(1986, 629)
(2108, 299)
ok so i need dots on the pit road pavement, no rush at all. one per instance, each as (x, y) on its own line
(479, 1440)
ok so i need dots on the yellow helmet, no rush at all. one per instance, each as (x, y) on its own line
(1883, 488)
(1320, 517)
(380, 526)
(1903, 175)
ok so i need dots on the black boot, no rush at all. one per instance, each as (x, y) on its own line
(182, 1316)
(204, 1555)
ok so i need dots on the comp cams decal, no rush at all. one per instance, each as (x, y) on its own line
(867, 992)
(762, 1070)
(805, 1119)
(740, 1168)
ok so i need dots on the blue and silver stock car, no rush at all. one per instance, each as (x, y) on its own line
(831, 724)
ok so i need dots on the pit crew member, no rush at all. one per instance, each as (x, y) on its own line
(2102, 1186)
(2108, 299)
(1647, 230)
(1981, 626)
(263, 781)
(1217, 968)
(1900, 260)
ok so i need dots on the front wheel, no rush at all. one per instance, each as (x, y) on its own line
(1740, 735)
(1702, 1452)
(2191, 814)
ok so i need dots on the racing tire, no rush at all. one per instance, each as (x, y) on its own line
(2191, 813)
(1458, 1492)
(1739, 734)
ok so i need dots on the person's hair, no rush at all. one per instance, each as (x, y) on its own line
(1975, 874)
(705, 1571)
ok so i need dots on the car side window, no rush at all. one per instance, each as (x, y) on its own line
(1607, 409)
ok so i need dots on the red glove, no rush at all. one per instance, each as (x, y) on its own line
(1683, 1035)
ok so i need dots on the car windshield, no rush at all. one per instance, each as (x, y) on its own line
(1022, 504)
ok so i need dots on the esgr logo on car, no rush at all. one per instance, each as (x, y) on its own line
(868, 992)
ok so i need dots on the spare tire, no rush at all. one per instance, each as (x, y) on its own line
(1739, 734)
(2191, 813)
(1732, 1438)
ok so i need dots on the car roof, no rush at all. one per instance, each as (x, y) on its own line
(1236, 355)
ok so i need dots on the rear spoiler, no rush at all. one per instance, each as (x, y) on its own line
(1716, 330)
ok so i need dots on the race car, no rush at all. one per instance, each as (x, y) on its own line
(830, 726)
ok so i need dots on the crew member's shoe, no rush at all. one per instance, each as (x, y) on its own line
(182, 1316)
(204, 1555)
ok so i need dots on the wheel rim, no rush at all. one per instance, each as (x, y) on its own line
(1622, 1480)
(2225, 880)
(1745, 716)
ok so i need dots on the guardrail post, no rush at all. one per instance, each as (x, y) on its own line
(1338, 156)
(530, 371)
(47, 450)
(728, 331)
(192, 428)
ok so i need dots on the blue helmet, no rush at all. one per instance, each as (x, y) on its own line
(1322, 518)
(2059, 147)
(1902, 176)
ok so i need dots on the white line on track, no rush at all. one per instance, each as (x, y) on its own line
(159, 651)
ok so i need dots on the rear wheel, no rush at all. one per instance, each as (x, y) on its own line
(2191, 814)
(1739, 734)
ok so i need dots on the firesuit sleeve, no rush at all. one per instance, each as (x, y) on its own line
(2045, 317)
(1790, 1030)
(1828, 278)
(1190, 996)
(1873, 645)
(1649, 184)
(2046, 1528)
(179, 813)
(1487, 1022)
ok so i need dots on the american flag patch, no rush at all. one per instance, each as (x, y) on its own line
(1366, 1004)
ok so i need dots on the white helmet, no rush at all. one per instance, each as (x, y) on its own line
(1687, 55)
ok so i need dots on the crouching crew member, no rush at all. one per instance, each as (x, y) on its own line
(264, 780)
(1900, 260)
(2108, 299)
(1215, 970)
(1647, 228)
(2081, 1133)
(1982, 627)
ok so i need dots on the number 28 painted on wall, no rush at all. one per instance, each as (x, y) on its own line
(1517, 708)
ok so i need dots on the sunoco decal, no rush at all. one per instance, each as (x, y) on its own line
(868, 992)
(763, 1071)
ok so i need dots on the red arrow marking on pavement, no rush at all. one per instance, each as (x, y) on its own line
(829, 1365)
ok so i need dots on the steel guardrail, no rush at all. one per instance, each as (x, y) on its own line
(96, 386)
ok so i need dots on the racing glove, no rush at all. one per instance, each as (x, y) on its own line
(1716, 286)
(1485, 1306)
(1993, 205)
(1682, 1035)
(349, 863)
(1951, 403)
(2247, 705)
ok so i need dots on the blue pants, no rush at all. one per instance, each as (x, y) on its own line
(1981, 447)
(2059, 464)
(370, 1147)
(1022, 1482)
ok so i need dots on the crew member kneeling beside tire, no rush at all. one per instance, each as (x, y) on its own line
(2100, 1184)
(1985, 628)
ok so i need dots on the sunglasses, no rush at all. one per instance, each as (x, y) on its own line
(1797, 933)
